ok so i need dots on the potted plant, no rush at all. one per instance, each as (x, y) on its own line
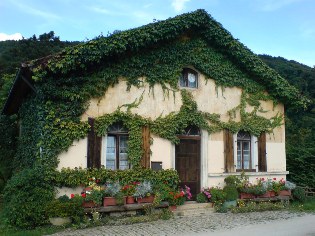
(93, 198)
(204, 196)
(143, 192)
(231, 195)
(283, 188)
(129, 190)
(176, 198)
(92, 194)
(244, 187)
(113, 195)
(217, 195)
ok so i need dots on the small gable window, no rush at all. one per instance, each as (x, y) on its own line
(189, 78)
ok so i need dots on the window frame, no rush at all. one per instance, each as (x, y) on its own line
(184, 81)
(253, 154)
(117, 134)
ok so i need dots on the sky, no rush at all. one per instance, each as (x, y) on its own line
(283, 28)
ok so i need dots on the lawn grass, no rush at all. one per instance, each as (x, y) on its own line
(307, 206)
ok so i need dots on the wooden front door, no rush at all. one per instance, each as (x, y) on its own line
(187, 163)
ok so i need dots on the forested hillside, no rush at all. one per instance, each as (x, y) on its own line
(300, 125)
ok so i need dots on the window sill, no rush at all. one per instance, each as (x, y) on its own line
(249, 173)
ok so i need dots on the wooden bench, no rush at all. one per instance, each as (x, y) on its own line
(124, 208)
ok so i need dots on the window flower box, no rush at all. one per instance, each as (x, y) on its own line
(147, 199)
(247, 196)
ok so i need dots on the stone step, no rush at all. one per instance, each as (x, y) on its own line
(193, 208)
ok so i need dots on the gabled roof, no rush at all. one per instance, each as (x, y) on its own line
(83, 56)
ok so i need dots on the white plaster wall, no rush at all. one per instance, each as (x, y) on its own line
(75, 156)
(215, 156)
(162, 151)
(218, 180)
(276, 159)
(155, 101)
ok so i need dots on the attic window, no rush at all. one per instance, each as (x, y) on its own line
(189, 78)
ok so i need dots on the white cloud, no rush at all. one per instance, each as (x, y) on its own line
(16, 36)
(273, 5)
(178, 5)
(33, 11)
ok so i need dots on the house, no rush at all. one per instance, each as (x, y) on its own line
(180, 93)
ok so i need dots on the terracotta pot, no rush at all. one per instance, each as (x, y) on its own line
(266, 195)
(89, 204)
(272, 193)
(285, 193)
(148, 199)
(130, 200)
(109, 201)
(247, 196)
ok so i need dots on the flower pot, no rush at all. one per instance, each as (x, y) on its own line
(265, 195)
(229, 204)
(58, 221)
(130, 200)
(272, 193)
(148, 199)
(89, 204)
(247, 196)
(285, 193)
(109, 201)
(112, 201)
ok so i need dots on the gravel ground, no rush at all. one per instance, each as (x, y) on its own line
(188, 225)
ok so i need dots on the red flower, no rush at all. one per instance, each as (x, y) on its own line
(274, 178)
(83, 195)
(71, 195)
(263, 179)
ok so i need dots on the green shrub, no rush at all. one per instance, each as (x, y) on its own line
(232, 180)
(217, 195)
(65, 207)
(201, 198)
(25, 197)
(231, 192)
(299, 194)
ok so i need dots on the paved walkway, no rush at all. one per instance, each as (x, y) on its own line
(206, 224)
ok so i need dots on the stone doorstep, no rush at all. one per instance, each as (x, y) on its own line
(194, 208)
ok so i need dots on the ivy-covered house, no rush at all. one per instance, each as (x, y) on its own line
(180, 93)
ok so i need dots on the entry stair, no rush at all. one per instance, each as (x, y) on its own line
(193, 208)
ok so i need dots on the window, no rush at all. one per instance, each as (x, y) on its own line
(243, 151)
(117, 147)
(244, 161)
(189, 78)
